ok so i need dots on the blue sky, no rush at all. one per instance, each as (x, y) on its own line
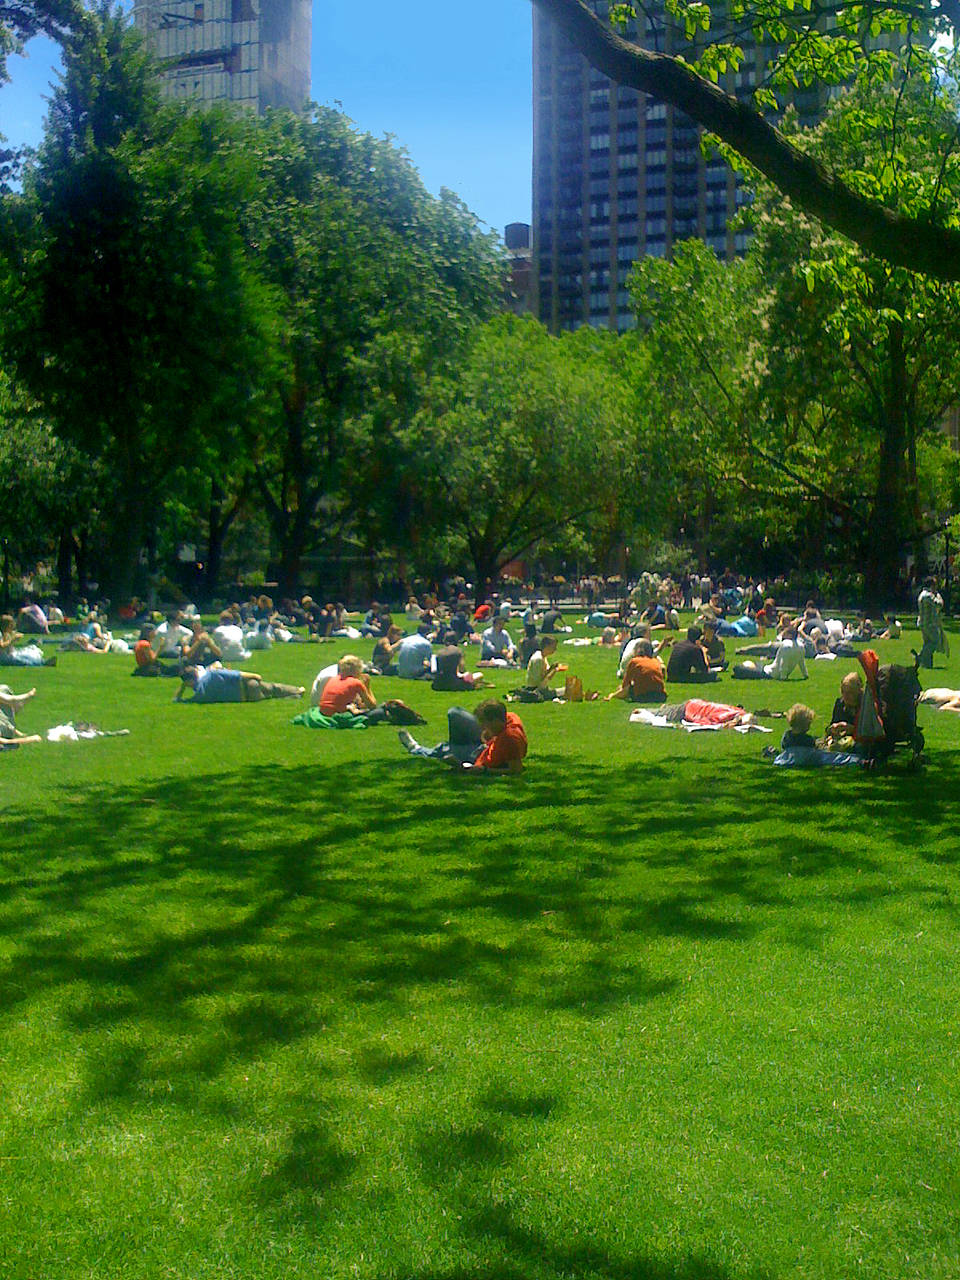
(449, 80)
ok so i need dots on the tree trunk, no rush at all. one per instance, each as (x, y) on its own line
(65, 546)
(487, 573)
(123, 548)
(219, 520)
(82, 557)
(887, 526)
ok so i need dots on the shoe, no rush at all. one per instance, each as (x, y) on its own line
(407, 740)
(769, 753)
(50, 662)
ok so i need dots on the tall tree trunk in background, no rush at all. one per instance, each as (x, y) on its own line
(889, 518)
(64, 565)
(220, 516)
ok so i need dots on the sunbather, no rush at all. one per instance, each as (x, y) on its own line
(218, 684)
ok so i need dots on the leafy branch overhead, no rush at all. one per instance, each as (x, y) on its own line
(810, 44)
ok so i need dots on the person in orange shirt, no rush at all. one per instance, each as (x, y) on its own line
(493, 741)
(505, 739)
(644, 679)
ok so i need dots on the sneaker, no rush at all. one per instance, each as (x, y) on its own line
(407, 740)
(50, 662)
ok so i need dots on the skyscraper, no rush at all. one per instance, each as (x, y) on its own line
(252, 52)
(616, 175)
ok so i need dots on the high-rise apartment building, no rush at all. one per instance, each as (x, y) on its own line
(252, 52)
(618, 174)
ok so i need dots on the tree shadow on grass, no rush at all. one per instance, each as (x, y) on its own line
(230, 914)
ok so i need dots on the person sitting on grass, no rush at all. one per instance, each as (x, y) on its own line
(643, 679)
(14, 655)
(202, 648)
(496, 647)
(789, 658)
(540, 671)
(414, 654)
(838, 735)
(502, 748)
(713, 646)
(798, 748)
(451, 675)
(32, 620)
(349, 691)
(146, 658)
(172, 636)
(640, 631)
(218, 684)
(385, 650)
(688, 661)
(10, 704)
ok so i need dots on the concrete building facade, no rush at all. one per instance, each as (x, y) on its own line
(252, 52)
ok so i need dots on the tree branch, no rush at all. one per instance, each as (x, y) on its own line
(905, 242)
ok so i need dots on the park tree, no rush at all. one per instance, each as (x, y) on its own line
(813, 43)
(697, 322)
(378, 284)
(131, 310)
(860, 356)
(51, 495)
(529, 436)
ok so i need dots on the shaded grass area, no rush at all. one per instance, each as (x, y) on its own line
(275, 1002)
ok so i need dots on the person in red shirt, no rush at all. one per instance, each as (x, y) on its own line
(348, 690)
(493, 741)
(146, 657)
(504, 736)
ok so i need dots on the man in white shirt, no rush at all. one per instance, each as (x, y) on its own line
(229, 637)
(788, 658)
(172, 637)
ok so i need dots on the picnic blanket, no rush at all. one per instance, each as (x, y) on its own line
(315, 719)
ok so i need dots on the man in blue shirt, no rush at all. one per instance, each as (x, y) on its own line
(414, 654)
(219, 684)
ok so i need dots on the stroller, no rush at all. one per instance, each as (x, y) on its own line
(888, 709)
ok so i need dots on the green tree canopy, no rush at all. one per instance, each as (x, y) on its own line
(378, 283)
(529, 436)
(132, 311)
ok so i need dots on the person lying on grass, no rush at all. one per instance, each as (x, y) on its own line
(10, 704)
(643, 679)
(699, 711)
(218, 684)
(942, 699)
(493, 741)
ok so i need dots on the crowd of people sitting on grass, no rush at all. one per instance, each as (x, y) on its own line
(428, 642)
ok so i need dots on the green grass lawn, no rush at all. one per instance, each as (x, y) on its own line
(285, 1003)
